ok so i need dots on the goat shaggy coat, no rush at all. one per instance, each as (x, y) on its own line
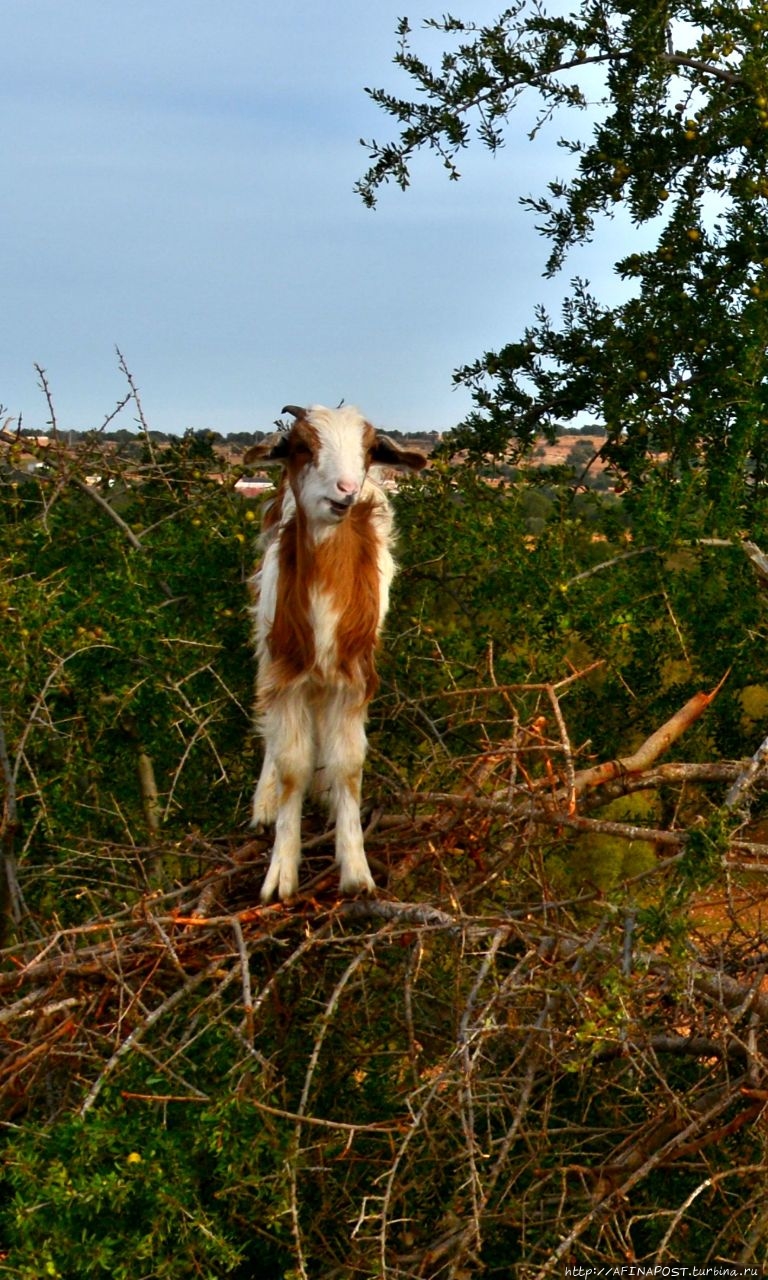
(321, 594)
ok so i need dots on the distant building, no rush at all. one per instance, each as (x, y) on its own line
(253, 487)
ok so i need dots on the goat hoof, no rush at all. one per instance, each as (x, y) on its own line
(281, 880)
(354, 886)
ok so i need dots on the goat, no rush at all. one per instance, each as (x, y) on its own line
(321, 594)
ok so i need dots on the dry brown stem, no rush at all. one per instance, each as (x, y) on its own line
(654, 746)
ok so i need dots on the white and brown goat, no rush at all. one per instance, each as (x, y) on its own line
(321, 594)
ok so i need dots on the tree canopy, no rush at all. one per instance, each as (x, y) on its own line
(664, 108)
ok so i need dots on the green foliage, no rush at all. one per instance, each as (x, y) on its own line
(125, 649)
(676, 373)
(480, 598)
(132, 1191)
(607, 861)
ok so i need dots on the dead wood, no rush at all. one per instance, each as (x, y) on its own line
(654, 746)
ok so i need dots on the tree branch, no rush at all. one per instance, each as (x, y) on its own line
(652, 748)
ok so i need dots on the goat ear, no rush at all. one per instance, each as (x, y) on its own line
(274, 449)
(388, 454)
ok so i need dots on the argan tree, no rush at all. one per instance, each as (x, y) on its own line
(664, 109)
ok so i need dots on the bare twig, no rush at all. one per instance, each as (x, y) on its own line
(103, 505)
(11, 902)
(748, 777)
(570, 772)
(43, 379)
(246, 974)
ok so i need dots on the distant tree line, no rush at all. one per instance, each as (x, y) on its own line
(233, 439)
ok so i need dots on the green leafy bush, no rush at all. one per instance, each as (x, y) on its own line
(128, 1191)
(127, 673)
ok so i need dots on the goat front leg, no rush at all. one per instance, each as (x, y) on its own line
(287, 732)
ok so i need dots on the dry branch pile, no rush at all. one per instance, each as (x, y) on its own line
(496, 1085)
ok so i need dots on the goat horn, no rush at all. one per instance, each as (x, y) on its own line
(294, 410)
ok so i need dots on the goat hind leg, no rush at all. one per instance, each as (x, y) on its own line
(350, 854)
(343, 751)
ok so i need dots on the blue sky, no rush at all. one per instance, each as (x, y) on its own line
(178, 181)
